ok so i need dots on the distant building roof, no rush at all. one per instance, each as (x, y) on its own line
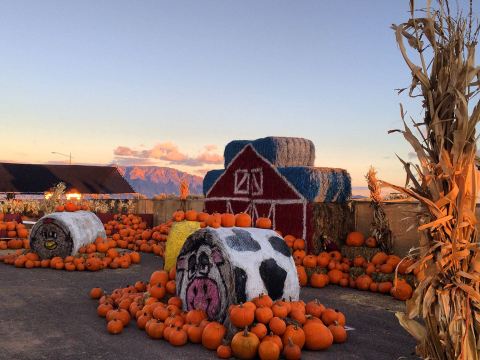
(38, 178)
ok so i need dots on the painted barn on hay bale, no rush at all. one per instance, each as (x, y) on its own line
(276, 177)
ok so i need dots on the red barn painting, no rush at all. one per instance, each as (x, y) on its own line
(275, 178)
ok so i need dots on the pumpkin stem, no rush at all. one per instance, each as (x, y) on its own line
(290, 341)
(245, 331)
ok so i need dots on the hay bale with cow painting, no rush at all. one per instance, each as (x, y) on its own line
(224, 266)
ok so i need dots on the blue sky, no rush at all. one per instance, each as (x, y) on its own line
(168, 78)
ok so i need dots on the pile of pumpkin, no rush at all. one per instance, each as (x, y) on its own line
(217, 220)
(94, 257)
(72, 207)
(131, 232)
(258, 327)
(376, 275)
(13, 235)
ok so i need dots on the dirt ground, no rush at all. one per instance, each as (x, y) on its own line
(47, 314)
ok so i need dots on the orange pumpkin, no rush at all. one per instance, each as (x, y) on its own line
(302, 275)
(243, 220)
(245, 345)
(355, 238)
(310, 261)
(317, 336)
(179, 215)
(268, 350)
(228, 220)
(319, 280)
(379, 258)
(371, 242)
(292, 351)
(263, 223)
(363, 282)
(339, 333)
(212, 335)
(401, 290)
(191, 215)
(224, 352)
(296, 334)
(241, 316)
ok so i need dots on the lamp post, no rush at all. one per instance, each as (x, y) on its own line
(69, 155)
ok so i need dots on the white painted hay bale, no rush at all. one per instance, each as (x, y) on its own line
(219, 267)
(63, 233)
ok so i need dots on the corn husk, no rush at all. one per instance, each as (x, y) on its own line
(444, 181)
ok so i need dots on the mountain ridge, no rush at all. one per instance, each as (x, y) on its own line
(155, 180)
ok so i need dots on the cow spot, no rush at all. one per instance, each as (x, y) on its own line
(279, 245)
(242, 241)
(273, 277)
(240, 284)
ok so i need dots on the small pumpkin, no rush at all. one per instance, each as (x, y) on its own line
(401, 290)
(277, 326)
(228, 220)
(178, 337)
(355, 238)
(224, 351)
(268, 350)
(241, 316)
(263, 223)
(302, 275)
(243, 220)
(191, 215)
(245, 345)
(379, 258)
(260, 330)
(212, 335)
(339, 333)
(371, 242)
(292, 351)
(263, 314)
(114, 327)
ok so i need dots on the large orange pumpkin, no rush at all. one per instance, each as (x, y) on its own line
(317, 336)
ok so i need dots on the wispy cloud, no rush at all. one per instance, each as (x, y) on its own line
(169, 153)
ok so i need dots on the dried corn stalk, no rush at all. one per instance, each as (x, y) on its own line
(447, 298)
(380, 228)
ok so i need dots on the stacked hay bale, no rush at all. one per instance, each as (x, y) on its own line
(275, 177)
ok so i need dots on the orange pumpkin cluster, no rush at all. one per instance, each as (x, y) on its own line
(265, 328)
(72, 207)
(333, 268)
(131, 232)
(356, 239)
(217, 220)
(93, 257)
(16, 235)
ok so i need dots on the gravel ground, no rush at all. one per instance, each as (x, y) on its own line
(47, 314)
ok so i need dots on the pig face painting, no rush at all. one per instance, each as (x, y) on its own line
(202, 276)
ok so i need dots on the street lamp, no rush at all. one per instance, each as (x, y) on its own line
(69, 155)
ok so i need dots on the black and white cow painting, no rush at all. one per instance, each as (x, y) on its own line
(218, 267)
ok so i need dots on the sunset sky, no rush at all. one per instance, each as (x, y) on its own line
(171, 82)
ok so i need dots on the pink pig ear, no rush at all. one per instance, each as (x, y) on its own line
(217, 257)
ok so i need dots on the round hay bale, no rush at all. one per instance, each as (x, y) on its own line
(63, 233)
(280, 151)
(175, 240)
(219, 267)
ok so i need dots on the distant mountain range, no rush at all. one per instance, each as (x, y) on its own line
(155, 180)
